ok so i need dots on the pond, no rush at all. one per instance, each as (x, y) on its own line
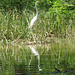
(47, 59)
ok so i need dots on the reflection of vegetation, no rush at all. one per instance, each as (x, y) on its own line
(15, 59)
(66, 66)
(21, 69)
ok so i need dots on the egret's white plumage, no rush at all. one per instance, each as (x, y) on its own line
(36, 54)
(33, 21)
(34, 18)
(34, 51)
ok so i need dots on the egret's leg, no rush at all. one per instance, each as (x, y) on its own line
(34, 38)
(39, 63)
(30, 60)
(33, 35)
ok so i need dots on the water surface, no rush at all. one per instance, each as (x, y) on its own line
(46, 59)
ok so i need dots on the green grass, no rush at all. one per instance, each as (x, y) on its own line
(14, 26)
(56, 28)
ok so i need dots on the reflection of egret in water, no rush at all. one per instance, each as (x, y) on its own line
(36, 54)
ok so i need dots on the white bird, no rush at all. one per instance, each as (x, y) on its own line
(34, 51)
(36, 54)
(34, 18)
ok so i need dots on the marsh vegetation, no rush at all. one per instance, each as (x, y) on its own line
(54, 33)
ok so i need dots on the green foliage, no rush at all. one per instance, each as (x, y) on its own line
(29, 4)
(61, 15)
(56, 18)
(12, 4)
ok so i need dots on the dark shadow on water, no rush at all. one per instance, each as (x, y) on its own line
(29, 70)
(25, 70)
(21, 70)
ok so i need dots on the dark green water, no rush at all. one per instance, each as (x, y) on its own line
(55, 59)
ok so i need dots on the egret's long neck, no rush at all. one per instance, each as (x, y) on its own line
(36, 9)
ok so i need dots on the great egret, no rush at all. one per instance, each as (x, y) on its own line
(36, 54)
(34, 18)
